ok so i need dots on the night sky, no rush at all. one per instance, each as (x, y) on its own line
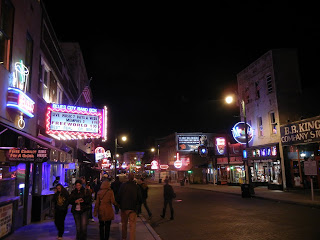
(165, 68)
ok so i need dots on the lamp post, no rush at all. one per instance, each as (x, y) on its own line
(229, 100)
(123, 139)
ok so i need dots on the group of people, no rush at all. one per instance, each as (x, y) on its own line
(128, 197)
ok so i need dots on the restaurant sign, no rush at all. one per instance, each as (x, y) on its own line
(28, 155)
(304, 131)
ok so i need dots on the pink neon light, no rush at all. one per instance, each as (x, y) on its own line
(70, 133)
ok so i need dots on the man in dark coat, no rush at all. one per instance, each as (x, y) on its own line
(168, 195)
(115, 186)
(129, 198)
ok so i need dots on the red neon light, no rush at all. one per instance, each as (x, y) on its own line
(70, 133)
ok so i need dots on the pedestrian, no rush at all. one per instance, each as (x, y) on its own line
(90, 217)
(80, 199)
(103, 209)
(61, 203)
(56, 181)
(129, 198)
(115, 186)
(168, 195)
(144, 193)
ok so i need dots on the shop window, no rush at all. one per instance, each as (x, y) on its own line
(6, 30)
(273, 123)
(260, 126)
(269, 84)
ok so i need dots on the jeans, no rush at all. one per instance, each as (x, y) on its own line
(144, 203)
(132, 216)
(81, 220)
(59, 217)
(104, 227)
(166, 202)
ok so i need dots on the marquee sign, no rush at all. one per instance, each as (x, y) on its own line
(238, 132)
(68, 122)
(17, 99)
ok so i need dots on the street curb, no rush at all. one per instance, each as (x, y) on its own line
(150, 229)
(263, 198)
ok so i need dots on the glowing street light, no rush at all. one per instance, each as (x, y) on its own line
(229, 99)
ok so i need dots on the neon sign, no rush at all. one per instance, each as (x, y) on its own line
(154, 165)
(221, 145)
(238, 132)
(20, 76)
(71, 122)
(19, 100)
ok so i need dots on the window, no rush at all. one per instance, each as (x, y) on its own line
(28, 62)
(260, 127)
(257, 88)
(44, 81)
(6, 30)
(269, 84)
(273, 123)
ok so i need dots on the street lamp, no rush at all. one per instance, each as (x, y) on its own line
(123, 139)
(229, 100)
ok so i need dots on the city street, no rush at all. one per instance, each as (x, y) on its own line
(201, 214)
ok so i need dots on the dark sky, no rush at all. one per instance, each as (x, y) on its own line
(159, 68)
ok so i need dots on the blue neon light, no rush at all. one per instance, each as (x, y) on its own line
(15, 104)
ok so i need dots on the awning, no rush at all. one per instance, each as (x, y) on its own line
(37, 140)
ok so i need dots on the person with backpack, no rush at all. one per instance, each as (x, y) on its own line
(103, 209)
(144, 193)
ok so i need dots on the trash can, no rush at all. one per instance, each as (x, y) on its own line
(245, 190)
(160, 180)
(182, 183)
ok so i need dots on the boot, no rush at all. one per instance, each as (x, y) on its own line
(163, 213)
(171, 215)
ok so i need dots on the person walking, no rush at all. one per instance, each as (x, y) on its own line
(129, 198)
(144, 193)
(80, 199)
(168, 195)
(61, 203)
(103, 209)
(115, 186)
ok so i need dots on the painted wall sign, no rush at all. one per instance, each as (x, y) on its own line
(304, 131)
(71, 122)
(238, 132)
(16, 154)
(17, 99)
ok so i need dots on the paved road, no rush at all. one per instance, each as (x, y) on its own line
(203, 214)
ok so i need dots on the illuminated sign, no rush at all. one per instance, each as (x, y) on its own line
(177, 163)
(20, 76)
(154, 165)
(188, 143)
(164, 167)
(220, 145)
(99, 153)
(238, 132)
(71, 122)
(19, 100)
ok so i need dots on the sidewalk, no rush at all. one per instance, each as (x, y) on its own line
(46, 230)
(300, 197)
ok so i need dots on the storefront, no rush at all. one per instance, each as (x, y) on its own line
(301, 143)
(265, 165)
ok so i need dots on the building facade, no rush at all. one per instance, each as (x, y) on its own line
(271, 91)
(34, 73)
